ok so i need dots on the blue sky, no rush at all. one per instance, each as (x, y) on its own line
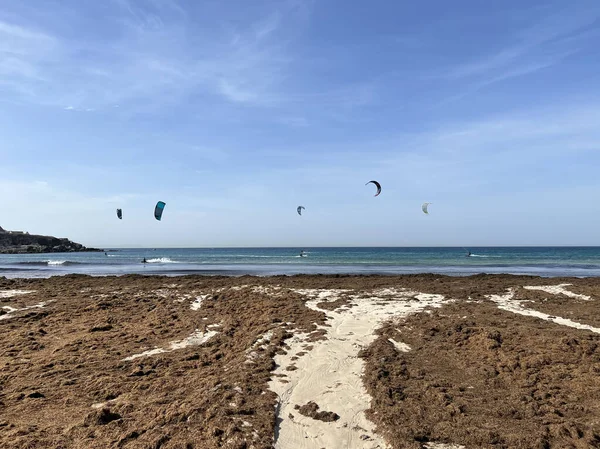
(235, 112)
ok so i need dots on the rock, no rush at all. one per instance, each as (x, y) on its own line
(18, 242)
(35, 395)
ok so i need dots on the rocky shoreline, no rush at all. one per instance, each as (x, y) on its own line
(19, 242)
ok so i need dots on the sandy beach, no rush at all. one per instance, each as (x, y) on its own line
(415, 361)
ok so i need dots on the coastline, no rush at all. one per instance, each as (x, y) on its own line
(20, 242)
(303, 361)
(543, 261)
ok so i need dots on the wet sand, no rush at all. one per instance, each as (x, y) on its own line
(299, 362)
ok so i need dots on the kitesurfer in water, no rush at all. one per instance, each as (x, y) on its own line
(144, 261)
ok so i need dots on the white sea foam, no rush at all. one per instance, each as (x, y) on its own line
(161, 260)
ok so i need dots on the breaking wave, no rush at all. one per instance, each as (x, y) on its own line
(161, 260)
(45, 263)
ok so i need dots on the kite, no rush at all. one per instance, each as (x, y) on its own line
(158, 210)
(377, 185)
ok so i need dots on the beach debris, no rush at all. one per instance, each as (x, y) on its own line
(376, 185)
(119, 214)
(311, 410)
(158, 210)
(210, 389)
(400, 346)
(424, 208)
(300, 209)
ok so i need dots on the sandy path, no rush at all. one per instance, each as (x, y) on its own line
(331, 373)
(12, 293)
(197, 338)
(443, 446)
(559, 290)
(10, 311)
(506, 302)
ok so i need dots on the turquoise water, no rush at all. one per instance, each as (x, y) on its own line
(542, 261)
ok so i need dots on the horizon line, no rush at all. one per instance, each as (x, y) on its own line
(329, 247)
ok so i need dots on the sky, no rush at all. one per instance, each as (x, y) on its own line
(236, 112)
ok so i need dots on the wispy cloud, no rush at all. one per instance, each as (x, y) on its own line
(20, 40)
(157, 56)
(22, 51)
(513, 151)
(160, 56)
(524, 150)
(545, 43)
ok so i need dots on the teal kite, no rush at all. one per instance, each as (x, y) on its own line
(158, 210)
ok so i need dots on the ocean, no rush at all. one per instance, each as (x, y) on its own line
(541, 261)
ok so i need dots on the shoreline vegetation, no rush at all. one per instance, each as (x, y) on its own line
(19, 242)
(311, 361)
